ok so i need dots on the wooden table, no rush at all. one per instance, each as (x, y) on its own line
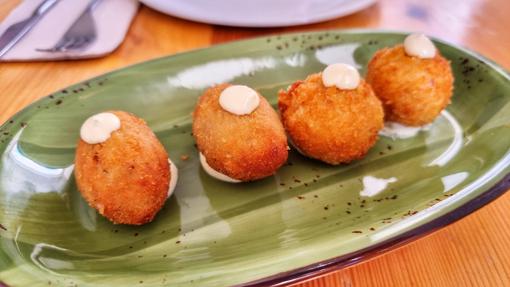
(471, 252)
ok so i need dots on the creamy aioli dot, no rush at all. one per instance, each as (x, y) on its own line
(98, 128)
(239, 100)
(174, 175)
(218, 175)
(396, 130)
(373, 185)
(418, 45)
(342, 76)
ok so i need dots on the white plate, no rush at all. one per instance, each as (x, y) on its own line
(258, 13)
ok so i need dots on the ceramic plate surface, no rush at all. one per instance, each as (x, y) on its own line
(307, 218)
(259, 13)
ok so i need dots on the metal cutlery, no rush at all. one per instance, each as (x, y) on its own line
(17, 31)
(80, 35)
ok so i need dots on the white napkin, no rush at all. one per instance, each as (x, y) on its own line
(112, 19)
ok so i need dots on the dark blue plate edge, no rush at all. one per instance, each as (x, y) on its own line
(337, 263)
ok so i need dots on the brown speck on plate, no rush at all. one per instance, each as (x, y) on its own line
(184, 157)
(357, 231)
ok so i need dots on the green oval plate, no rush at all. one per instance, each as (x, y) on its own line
(307, 219)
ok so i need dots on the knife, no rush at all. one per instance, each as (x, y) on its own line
(16, 31)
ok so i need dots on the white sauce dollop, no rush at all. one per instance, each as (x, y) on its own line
(373, 185)
(239, 100)
(218, 175)
(418, 45)
(174, 175)
(396, 130)
(98, 128)
(342, 76)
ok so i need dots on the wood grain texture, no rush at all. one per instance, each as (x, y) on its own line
(471, 252)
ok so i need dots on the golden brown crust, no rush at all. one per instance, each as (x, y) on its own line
(246, 147)
(329, 124)
(125, 178)
(413, 91)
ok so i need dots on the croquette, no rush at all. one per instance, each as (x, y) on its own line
(126, 178)
(331, 124)
(413, 90)
(243, 147)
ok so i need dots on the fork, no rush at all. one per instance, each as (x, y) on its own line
(80, 35)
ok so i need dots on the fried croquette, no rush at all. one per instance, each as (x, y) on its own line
(243, 147)
(413, 90)
(126, 178)
(330, 124)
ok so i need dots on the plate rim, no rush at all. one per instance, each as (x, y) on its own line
(336, 263)
(488, 61)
